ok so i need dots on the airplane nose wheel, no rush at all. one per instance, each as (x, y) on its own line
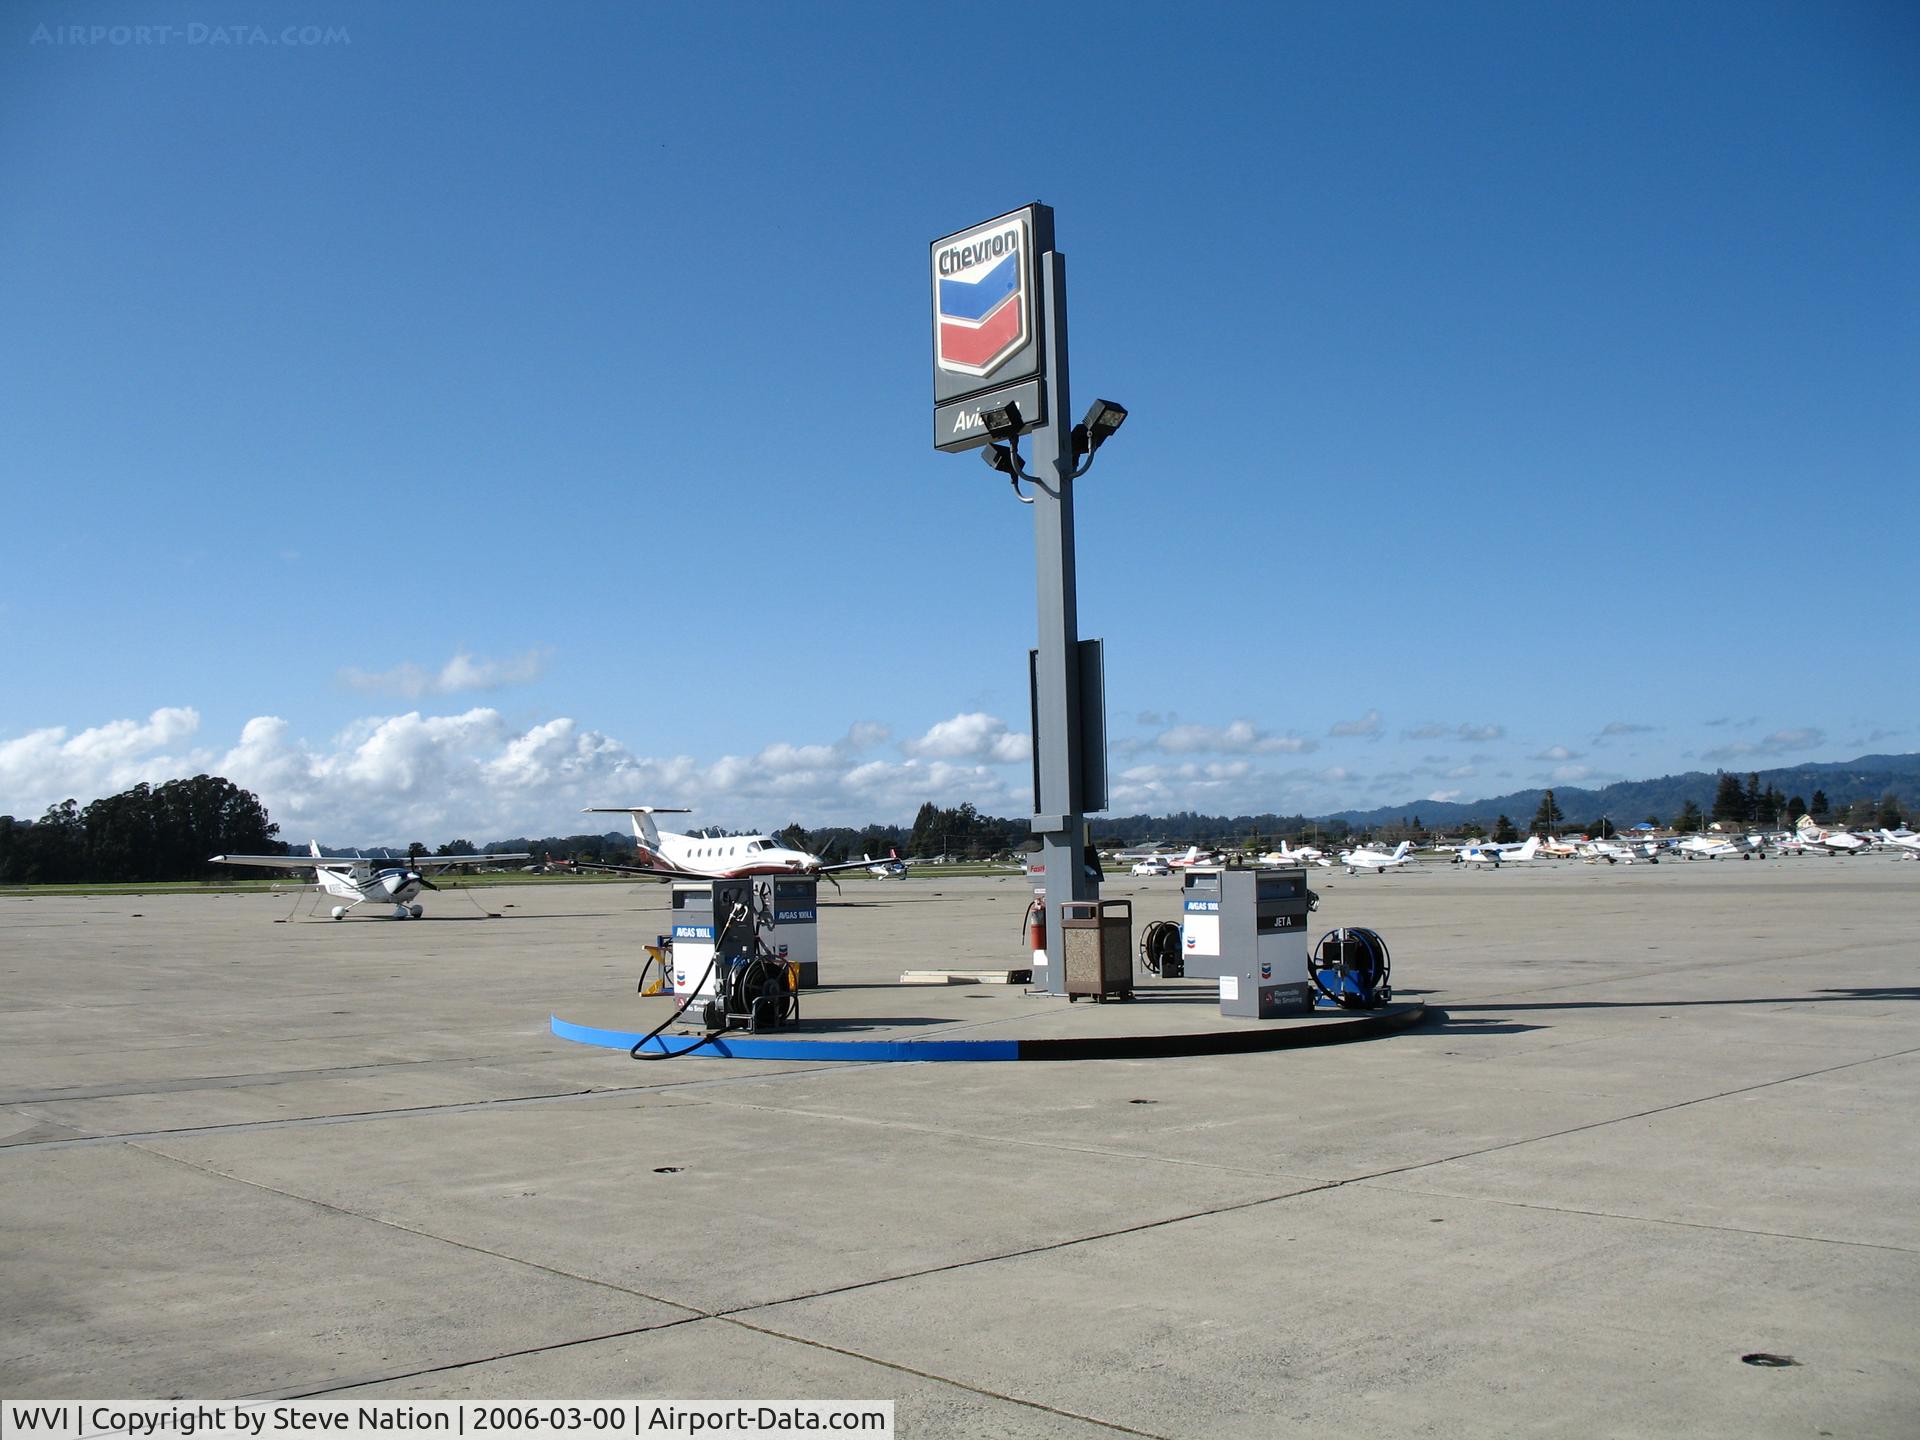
(339, 912)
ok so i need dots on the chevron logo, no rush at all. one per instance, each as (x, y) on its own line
(982, 300)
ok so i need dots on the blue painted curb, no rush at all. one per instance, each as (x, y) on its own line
(736, 1046)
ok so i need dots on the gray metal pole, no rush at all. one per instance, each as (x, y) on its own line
(1058, 823)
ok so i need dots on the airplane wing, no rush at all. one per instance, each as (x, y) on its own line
(645, 872)
(441, 862)
(864, 864)
(284, 862)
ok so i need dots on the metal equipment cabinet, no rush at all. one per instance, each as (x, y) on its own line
(1248, 929)
(1097, 948)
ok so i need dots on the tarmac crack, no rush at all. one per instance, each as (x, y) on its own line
(1643, 1219)
(262, 1078)
(693, 1311)
(1635, 1115)
(409, 1112)
(690, 1314)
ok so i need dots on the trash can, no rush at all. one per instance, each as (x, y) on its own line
(1097, 948)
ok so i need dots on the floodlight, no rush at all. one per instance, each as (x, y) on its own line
(1103, 418)
(999, 458)
(1004, 422)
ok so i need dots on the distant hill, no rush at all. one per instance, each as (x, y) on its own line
(1845, 781)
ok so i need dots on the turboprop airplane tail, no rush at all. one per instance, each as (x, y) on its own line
(644, 830)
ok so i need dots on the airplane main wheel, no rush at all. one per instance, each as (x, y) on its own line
(416, 911)
(339, 912)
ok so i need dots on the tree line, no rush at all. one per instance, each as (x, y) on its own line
(163, 832)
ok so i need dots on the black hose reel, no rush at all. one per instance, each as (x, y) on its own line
(1160, 952)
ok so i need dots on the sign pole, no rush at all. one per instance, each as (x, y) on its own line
(1058, 823)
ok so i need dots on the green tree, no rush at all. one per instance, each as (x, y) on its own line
(457, 847)
(1503, 831)
(1729, 800)
(1889, 812)
(1752, 815)
(1547, 816)
(1796, 807)
(1820, 807)
(1689, 818)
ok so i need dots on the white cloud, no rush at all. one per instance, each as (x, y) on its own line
(1780, 742)
(1241, 737)
(1556, 752)
(418, 776)
(1568, 774)
(1366, 727)
(45, 767)
(1613, 729)
(1437, 730)
(974, 736)
(1446, 795)
(464, 672)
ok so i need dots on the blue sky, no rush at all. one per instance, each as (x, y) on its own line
(438, 418)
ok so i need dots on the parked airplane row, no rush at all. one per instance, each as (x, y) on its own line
(662, 855)
(1806, 838)
(669, 855)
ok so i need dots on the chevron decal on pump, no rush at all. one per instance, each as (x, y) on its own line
(983, 304)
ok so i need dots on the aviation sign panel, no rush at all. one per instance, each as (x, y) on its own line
(988, 323)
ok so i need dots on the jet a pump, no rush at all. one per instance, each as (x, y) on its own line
(1248, 929)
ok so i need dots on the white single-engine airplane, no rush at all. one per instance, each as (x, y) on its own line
(356, 879)
(1907, 845)
(1811, 837)
(1305, 855)
(668, 856)
(1498, 855)
(1377, 861)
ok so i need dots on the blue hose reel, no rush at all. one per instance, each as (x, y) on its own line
(1349, 970)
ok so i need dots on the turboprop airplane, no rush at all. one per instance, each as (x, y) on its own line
(356, 879)
(1366, 858)
(669, 856)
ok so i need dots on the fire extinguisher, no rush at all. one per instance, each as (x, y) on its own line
(1037, 924)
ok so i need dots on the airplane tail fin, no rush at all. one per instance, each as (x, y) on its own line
(1531, 848)
(1400, 850)
(644, 830)
(313, 848)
